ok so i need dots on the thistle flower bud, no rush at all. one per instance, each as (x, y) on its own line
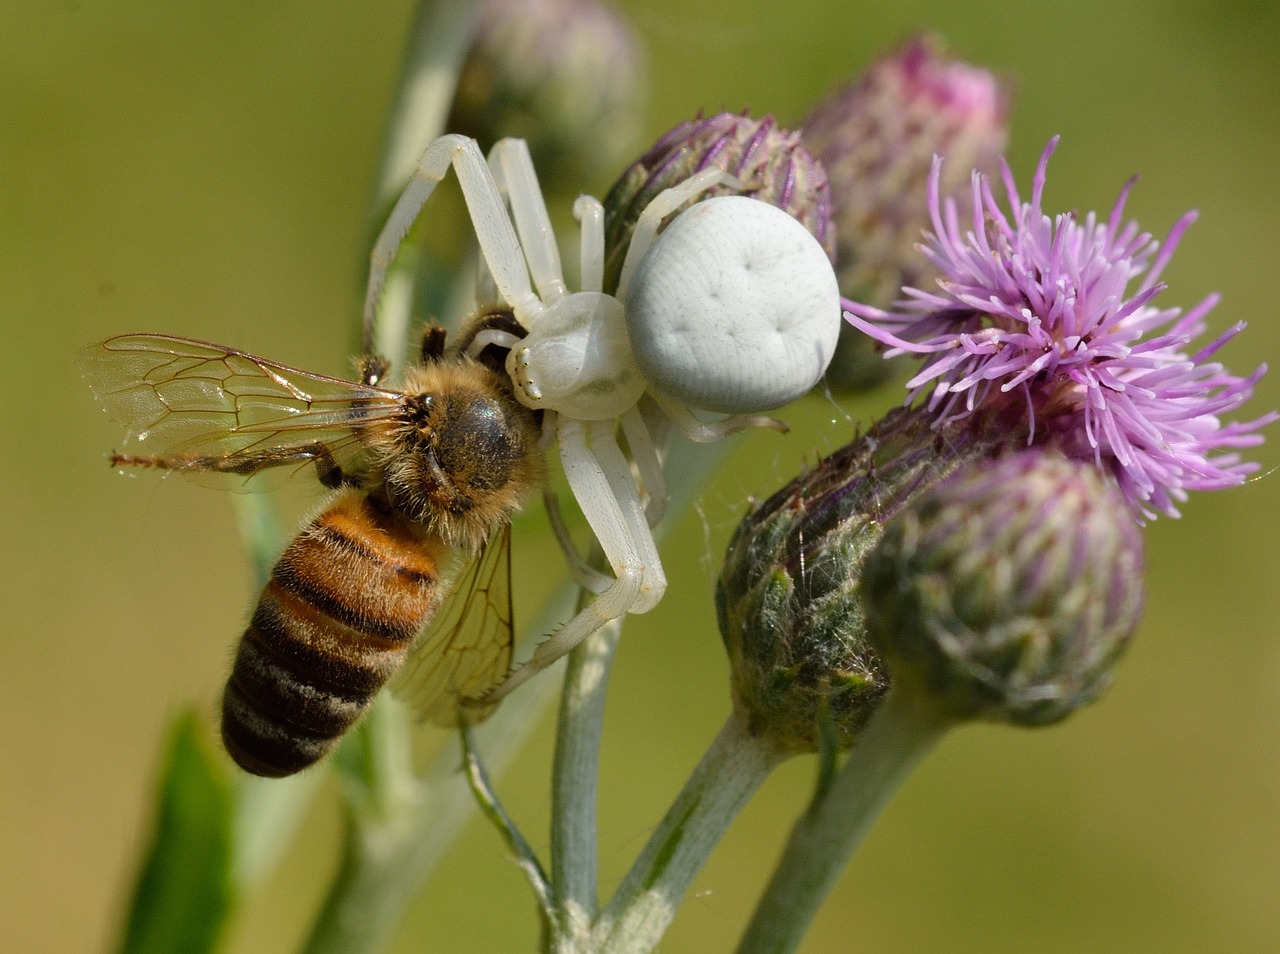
(1008, 591)
(771, 162)
(877, 137)
(787, 598)
(566, 76)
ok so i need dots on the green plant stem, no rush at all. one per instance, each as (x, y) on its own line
(268, 813)
(575, 779)
(439, 38)
(360, 914)
(734, 766)
(387, 857)
(897, 737)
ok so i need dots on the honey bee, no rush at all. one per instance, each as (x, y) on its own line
(435, 467)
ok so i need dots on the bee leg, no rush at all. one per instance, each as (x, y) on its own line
(246, 463)
(328, 471)
(372, 368)
(432, 344)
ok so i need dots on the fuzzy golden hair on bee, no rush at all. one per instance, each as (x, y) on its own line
(463, 456)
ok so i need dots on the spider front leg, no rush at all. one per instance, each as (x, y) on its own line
(517, 180)
(600, 478)
(582, 572)
(494, 231)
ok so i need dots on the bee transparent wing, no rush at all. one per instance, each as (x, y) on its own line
(466, 649)
(208, 410)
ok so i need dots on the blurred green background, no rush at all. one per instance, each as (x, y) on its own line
(204, 169)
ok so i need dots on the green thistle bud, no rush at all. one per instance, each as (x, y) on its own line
(772, 163)
(1008, 591)
(566, 76)
(787, 598)
(877, 137)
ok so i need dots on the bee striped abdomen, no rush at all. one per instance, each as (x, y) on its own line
(344, 604)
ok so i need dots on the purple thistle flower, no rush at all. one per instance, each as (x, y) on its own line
(1035, 312)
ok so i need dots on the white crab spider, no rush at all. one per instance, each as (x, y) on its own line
(733, 308)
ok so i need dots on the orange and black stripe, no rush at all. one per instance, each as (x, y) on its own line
(344, 604)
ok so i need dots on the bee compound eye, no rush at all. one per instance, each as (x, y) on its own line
(481, 446)
(735, 308)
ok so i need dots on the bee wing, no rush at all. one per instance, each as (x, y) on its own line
(466, 649)
(204, 408)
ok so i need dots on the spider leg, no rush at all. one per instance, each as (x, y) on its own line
(490, 336)
(494, 231)
(583, 573)
(661, 206)
(708, 432)
(648, 464)
(601, 480)
(512, 169)
(589, 211)
(603, 444)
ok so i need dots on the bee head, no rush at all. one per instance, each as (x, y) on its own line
(467, 454)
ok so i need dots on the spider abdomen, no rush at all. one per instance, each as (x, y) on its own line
(735, 308)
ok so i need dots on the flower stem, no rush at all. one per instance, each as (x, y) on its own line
(825, 838)
(441, 34)
(732, 769)
(575, 780)
(439, 38)
(359, 915)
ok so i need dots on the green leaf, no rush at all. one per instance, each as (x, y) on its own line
(184, 893)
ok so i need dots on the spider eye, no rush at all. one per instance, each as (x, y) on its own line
(735, 308)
